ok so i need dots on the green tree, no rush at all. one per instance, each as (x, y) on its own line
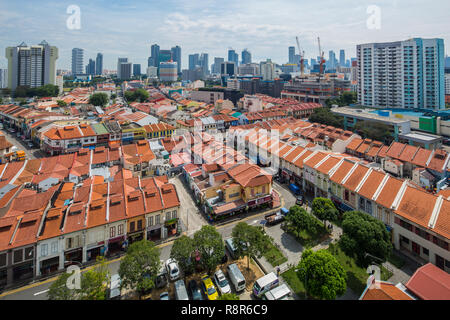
(21, 92)
(61, 103)
(181, 252)
(229, 296)
(94, 282)
(322, 275)
(324, 209)
(59, 290)
(374, 131)
(325, 116)
(137, 95)
(113, 96)
(48, 90)
(363, 234)
(299, 219)
(249, 241)
(99, 99)
(208, 242)
(140, 266)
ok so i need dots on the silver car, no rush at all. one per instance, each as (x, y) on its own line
(222, 282)
(172, 269)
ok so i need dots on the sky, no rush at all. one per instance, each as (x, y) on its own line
(127, 28)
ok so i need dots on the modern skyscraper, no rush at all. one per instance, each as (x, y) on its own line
(216, 66)
(204, 63)
(136, 70)
(155, 55)
(176, 56)
(90, 68)
(119, 62)
(246, 56)
(331, 63)
(291, 54)
(99, 64)
(233, 57)
(32, 66)
(194, 61)
(3, 78)
(228, 68)
(342, 58)
(77, 61)
(404, 74)
(125, 70)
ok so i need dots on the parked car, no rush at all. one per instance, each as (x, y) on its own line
(208, 288)
(172, 269)
(194, 290)
(180, 290)
(164, 296)
(30, 145)
(221, 282)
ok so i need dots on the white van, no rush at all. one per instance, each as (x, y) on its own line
(281, 292)
(264, 284)
(180, 291)
(236, 277)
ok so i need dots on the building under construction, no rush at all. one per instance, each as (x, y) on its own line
(315, 88)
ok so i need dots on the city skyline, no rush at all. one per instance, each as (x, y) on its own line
(267, 29)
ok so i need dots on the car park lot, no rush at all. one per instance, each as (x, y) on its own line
(250, 277)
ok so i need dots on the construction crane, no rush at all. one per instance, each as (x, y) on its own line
(302, 57)
(322, 60)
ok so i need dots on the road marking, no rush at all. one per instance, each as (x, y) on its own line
(38, 293)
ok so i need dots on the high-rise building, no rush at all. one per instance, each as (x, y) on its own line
(136, 70)
(99, 64)
(168, 71)
(216, 65)
(267, 70)
(119, 62)
(233, 57)
(291, 54)
(165, 56)
(152, 72)
(3, 78)
(228, 68)
(404, 74)
(246, 56)
(342, 58)
(155, 55)
(249, 69)
(332, 62)
(77, 61)
(194, 61)
(176, 56)
(32, 66)
(204, 63)
(90, 68)
(125, 70)
(447, 62)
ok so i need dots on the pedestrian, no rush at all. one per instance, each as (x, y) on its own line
(278, 271)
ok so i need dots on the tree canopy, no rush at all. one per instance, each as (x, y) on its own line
(325, 116)
(343, 100)
(299, 219)
(324, 209)
(249, 241)
(140, 95)
(61, 103)
(140, 266)
(229, 296)
(363, 234)
(99, 99)
(93, 284)
(181, 252)
(48, 90)
(209, 245)
(375, 131)
(322, 275)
